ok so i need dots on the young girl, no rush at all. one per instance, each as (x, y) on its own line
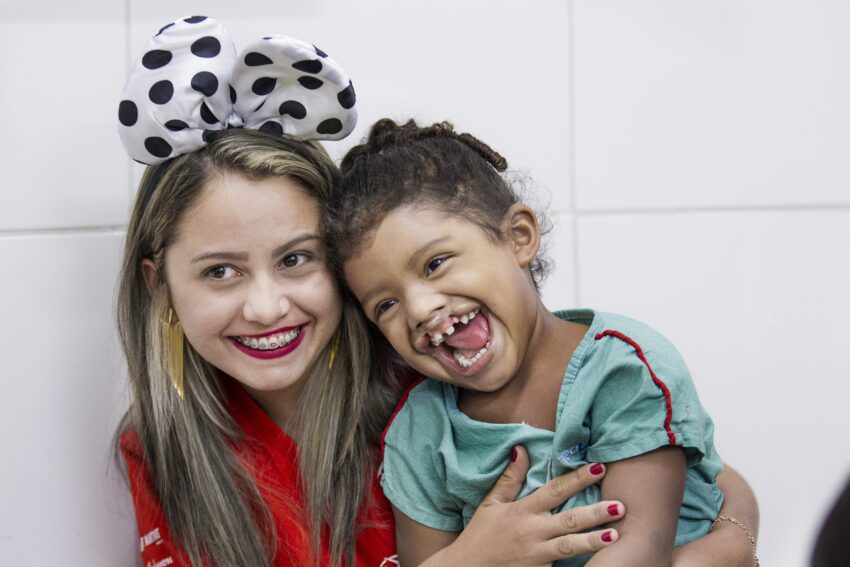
(442, 256)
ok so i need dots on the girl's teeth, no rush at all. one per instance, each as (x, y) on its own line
(264, 343)
(464, 319)
(455, 320)
(273, 342)
(467, 362)
(255, 343)
(437, 339)
(450, 330)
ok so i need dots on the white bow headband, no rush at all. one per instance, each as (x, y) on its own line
(190, 83)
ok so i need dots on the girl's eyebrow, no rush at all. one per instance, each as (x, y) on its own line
(243, 256)
(413, 262)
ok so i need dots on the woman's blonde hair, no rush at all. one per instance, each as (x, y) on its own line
(212, 504)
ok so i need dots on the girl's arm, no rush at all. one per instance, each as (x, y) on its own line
(651, 486)
(727, 544)
(507, 533)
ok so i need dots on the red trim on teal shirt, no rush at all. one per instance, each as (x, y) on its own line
(416, 381)
(668, 402)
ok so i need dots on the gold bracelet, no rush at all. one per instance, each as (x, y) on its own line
(743, 527)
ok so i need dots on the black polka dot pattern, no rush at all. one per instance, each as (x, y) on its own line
(176, 125)
(346, 97)
(207, 114)
(311, 83)
(206, 47)
(294, 109)
(271, 127)
(128, 112)
(263, 86)
(156, 58)
(161, 92)
(163, 28)
(255, 59)
(158, 147)
(190, 85)
(310, 66)
(205, 83)
(329, 126)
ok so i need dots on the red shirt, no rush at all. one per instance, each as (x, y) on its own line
(274, 460)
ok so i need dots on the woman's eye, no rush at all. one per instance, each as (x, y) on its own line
(383, 306)
(221, 272)
(434, 263)
(293, 260)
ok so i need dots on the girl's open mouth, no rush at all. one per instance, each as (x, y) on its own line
(464, 344)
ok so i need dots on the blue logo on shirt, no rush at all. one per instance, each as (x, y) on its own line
(575, 453)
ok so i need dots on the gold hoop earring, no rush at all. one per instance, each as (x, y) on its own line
(334, 348)
(173, 338)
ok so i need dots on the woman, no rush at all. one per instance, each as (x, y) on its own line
(256, 403)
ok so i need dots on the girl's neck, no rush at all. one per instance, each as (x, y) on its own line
(532, 395)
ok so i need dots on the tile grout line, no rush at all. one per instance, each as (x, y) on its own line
(824, 207)
(75, 231)
(571, 140)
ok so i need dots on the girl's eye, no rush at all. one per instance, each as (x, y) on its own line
(221, 272)
(383, 307)
(434, 263)
(293, 260)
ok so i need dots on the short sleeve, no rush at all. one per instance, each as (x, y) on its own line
(155, 544)
(417, 443)
(644, 400)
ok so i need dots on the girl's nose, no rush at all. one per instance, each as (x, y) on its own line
(267, 302)
(423, 307)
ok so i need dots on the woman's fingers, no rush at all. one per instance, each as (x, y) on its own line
(577, 544)
(581, 518)
(510, 482)
(560, 489)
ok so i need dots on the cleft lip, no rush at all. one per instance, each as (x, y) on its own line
(270, 333)
(434, 336)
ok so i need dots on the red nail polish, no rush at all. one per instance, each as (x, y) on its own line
(613, 509)
(514, 455)
(596, 469)
(606, 537)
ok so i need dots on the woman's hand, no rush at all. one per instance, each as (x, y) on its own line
(525, 532)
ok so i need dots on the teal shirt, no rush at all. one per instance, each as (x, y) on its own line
(438, 463)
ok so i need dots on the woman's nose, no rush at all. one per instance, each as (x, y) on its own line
(267, 301)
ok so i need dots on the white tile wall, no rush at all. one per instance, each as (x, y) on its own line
(62, 164)
(62, 392)
(757, 303)
(711, 104)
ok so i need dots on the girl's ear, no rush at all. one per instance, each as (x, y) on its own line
(523, 231)
(151, 275)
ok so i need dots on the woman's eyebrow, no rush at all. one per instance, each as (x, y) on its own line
(294, 242)
(243, 256)
(237, 256)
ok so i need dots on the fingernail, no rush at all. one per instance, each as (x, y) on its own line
(596, 469)
(606, 537)
(514, 455)
(613, 509)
